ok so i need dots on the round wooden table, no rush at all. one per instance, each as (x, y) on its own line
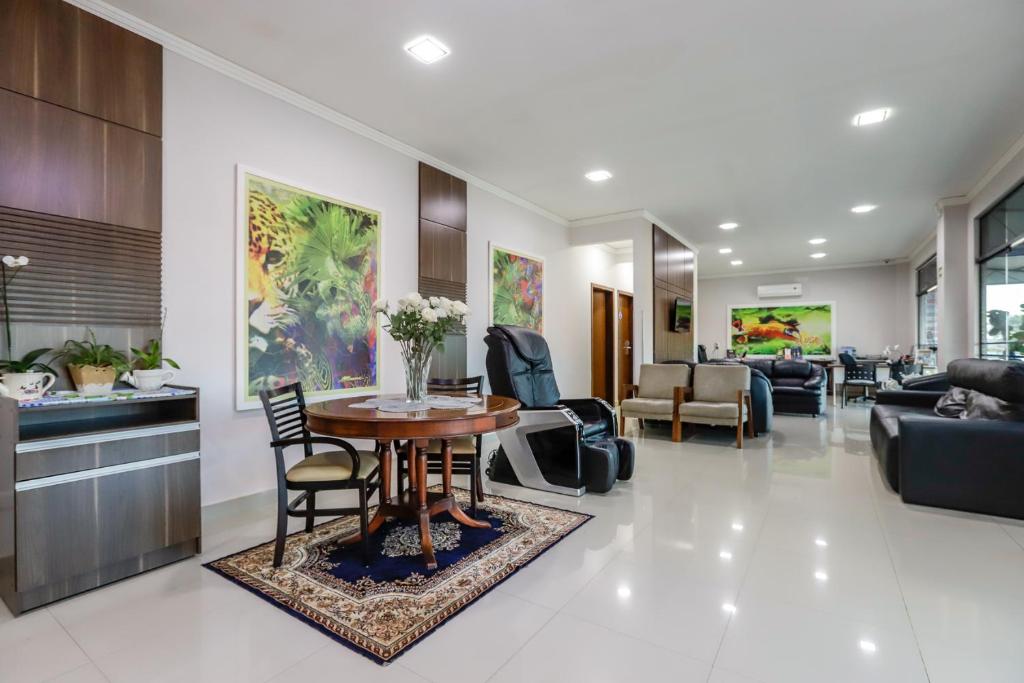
(340, 418)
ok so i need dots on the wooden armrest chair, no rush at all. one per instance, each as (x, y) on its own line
(657, 396)
(720, 396)
(466, 450)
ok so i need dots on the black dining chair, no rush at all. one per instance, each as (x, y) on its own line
(346, 468)
(858, 375)
(466, 450)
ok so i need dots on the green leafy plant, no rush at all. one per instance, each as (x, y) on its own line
(28, 363)
(90, 352)
(10, 266)
(151, 357)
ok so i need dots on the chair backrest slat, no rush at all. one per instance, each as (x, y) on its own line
(466, 385)
(284, 407)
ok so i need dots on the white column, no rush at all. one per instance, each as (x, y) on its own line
(954, 270)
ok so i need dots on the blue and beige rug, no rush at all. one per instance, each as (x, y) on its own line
(382, 610)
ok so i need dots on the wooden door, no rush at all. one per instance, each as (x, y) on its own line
(602, 342)
(624, 342)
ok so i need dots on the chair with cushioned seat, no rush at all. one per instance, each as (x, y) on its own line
(858, 375)
(341, 469)
(466, 450)
(657, 396)
(720, 395)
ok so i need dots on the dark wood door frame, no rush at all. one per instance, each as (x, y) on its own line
(625, 343)
(602, 342)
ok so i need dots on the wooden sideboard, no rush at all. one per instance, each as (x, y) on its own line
(94, 492)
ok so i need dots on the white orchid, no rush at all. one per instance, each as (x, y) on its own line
(15, 261)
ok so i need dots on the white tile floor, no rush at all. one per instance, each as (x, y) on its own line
(788, 561)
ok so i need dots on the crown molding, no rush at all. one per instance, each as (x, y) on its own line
(841, 266)
(239, 73)
(608, 218)
(996, 169)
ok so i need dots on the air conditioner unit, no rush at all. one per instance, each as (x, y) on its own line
(780, 291)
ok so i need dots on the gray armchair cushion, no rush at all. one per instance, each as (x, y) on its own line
(719, 383)
(658, 380)
(653, 408)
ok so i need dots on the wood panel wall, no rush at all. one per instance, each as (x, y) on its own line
(80, 166)
(674, 270)
(442, 250)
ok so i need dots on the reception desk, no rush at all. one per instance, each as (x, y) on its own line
(95, 491)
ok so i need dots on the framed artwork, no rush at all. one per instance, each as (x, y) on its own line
(517, 288)
(925, 357)
(307, 270)
(761, 330)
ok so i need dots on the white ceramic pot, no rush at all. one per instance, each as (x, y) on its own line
(26, 386)
(148, 380)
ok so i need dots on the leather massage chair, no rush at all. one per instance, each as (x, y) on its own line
(567, 446)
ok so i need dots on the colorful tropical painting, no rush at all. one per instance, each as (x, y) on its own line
(517, 289)
(767, 330)
(309, 278)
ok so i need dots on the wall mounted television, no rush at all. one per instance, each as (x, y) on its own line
(682, 315)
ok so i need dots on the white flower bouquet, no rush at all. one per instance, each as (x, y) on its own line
(420, 325)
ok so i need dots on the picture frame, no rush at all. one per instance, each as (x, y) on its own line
(781, 332)
(515, 284)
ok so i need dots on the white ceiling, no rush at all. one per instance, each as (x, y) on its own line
(704, 111)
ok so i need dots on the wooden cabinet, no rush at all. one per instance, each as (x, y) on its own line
(442, 198)
(442, 252)
(58, 162)
(674, 270)
(53, 51)
(91, 493)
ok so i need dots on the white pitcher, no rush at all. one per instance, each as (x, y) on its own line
(26, 386)
(148, 380)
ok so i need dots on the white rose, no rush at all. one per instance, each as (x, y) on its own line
(413, 297)
(439, 313)
(23, 261)
(380, 305)
(460, 308)
(403, 302)
(10, 261)
(429, 314)
(434, 302)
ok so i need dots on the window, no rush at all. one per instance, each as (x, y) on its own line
(1001, 272)
(927, 300)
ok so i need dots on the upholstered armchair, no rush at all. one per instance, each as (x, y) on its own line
(720, 396)
(656, 397)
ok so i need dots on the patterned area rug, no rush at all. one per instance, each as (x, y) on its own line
(384, 609)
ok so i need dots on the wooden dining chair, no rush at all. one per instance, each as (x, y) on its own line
(345, 468)
(466, 450)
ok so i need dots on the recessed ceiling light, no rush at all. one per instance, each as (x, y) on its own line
(868, 646)
(725, 555)
(729, 226)
(624, 592)
(598, 175)
(867, 118)
(427, 49)
(821, 576)
(729, 607)
(817, 240)
(725, 250)
(737, 526)
(819, 254)
(736, 262)
(821, 542)
(864, 208)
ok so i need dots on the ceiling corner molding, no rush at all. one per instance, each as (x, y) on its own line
(642, 214)
(997, 168)
(692, 244)
(840, 266)
(239, 73)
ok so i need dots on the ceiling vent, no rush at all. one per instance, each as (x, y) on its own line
(780, 291)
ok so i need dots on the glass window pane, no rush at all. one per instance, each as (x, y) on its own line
(1002, 305)
(927, 323)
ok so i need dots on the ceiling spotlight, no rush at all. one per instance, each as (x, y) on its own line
(736, 262)
(598, 176)
(867, 118)
(817, 240)
(729, 607)
(725, 555)
(819, 254)
(864, 208)
(821, 576)
(729, 226)
(821, 542)
(737, 526)
(427, 49)
(624, 592)
(725, 250)
(868, 646)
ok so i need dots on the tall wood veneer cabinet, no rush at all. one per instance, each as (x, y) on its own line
(94, 492)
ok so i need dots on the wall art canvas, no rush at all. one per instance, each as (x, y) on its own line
(761, 330)
(308, 268)
(517, 288)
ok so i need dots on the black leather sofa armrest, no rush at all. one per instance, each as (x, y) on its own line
(973, 465)
(916, 399)
(590, 409)
(937, 382)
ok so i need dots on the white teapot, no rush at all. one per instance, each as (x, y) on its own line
(26, 386)
(148, 380)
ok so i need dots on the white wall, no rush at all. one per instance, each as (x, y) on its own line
(212, 123)
(870, 314)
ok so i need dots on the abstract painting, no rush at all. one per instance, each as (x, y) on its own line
(517, 289)
(767, 330)
(307, 276)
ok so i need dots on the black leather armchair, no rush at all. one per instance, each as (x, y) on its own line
(968, 464)
(567, 446)
(798, 386)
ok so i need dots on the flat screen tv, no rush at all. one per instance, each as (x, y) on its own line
(682, 315)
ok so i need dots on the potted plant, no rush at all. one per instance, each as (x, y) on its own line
(93, 366)
(149, 373)
(420, 325)
(27, 378)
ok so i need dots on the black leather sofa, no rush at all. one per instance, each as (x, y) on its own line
(797, 386)
(962, 463)
(568, 446)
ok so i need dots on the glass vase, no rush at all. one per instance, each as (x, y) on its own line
(417, 371)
